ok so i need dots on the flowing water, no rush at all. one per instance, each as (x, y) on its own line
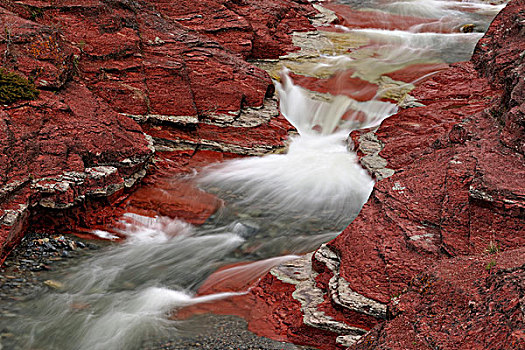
(277, 205)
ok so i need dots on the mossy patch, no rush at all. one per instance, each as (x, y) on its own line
(14, 87)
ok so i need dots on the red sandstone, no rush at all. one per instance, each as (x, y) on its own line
(103, 65)
(446, 232)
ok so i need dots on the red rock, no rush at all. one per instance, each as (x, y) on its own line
(175, 199)
(411, 132)
(341, 83)
(59, 151)
(457, 191)
(370, 19)
(99, 63)
(468, 303)
(166, 193)
(251, 28)
(240, 140)
(417, 73)
(503, 66)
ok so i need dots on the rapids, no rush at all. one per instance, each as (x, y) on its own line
(276, 205)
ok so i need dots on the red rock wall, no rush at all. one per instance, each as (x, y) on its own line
(499, 57)
(176, 67)
(438, 246)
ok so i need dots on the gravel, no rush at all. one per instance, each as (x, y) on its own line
(39, 261)
(35, 259)
(215, 332)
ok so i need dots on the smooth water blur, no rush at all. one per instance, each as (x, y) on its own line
(443, 8)
(276, 206)
(395, 49)
(318, 178)
(123, 294)
(436, 15)
(437, 35)
(314, 118)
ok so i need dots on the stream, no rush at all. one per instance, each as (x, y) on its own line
(277, 206)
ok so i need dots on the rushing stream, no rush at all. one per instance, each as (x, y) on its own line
(277, 205)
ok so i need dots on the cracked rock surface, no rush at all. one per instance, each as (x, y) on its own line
(435, 258)
(179, 69)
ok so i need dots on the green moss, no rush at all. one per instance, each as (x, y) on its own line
(13, 88)
(493, 248)
(490, 265)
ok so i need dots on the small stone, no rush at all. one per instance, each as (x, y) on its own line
(54, 284)
(50, 246)
(468, 28)
(245, 229)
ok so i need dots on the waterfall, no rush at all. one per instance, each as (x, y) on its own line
(318, 176)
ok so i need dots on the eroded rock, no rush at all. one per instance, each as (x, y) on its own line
(102, 66)
(424, 242)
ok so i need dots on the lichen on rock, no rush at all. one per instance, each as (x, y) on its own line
(14, 87)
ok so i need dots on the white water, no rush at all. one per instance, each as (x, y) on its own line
(437, 40)
(275, 205)
(314, 118)
(396, 49)
(119, 297)
(442, 8)
(318, 176)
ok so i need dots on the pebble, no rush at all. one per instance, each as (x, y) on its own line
(219, 333)
(38, 253)
(27, 270)
(54, 284)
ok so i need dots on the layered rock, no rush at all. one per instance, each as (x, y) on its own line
(450, 197)
(62, 149)
(251, 28)
(499, 57)
(111, 71)
(465, 302)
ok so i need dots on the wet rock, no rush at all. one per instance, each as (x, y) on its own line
(28, 266)
(245, 229)
(468, 28)
(370, 146)
(177, 68)
(455, 189)
(53, 284)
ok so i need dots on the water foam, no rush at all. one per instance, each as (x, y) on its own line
(441, 8)
(128, 321)
(116, 299)
(318, 176)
